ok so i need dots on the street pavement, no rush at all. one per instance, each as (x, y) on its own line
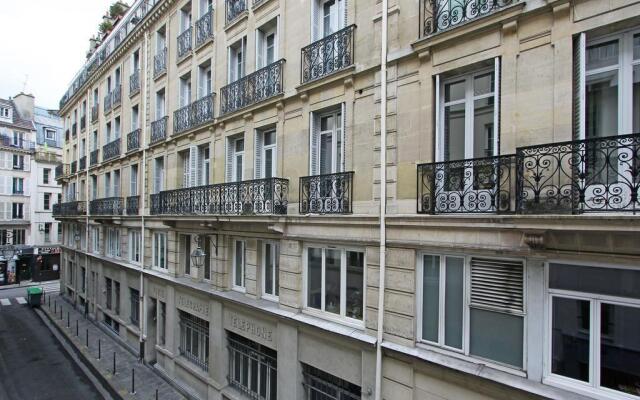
(33, 365)
(10, 294)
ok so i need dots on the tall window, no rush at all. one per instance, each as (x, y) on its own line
(593, 334)
(160, 104)
(185, 90)
(270, 269)
(18, 161)
(134, 298)
(133, 180)
(235, 159)
(135, 118)
(194, 339)
(186, 253)
(322, 385)
(204, 80)
(113, 242)
(116, 297)
(327, 142)
(47, 232)
(18, 185)
(266, 156)
(484, 319)
(266, 44)
(17, 210)
(328, 16)
(160, 250)
(335, 282)
(236, 60)
(238, 265)
(95, 239)
(46, 174)
(158, 175)
(108, 289)
(135, 242)
(195, 166)
(47, 201)
(252, 368)
(162, 322)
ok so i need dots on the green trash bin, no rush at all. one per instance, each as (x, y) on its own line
(34, 296)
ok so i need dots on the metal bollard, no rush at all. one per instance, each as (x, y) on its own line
(133, 380)
(68, 320)
(99, 350)
(76, 328)
(87, 337)
(156, 394)
(114, 362)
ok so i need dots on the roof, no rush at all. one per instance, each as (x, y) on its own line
(18, 121)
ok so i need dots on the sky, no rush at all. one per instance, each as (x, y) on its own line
(45, 43)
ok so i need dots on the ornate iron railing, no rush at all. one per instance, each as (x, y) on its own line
(62, 170)
(106, 206)
(160, 63)
(107, 103)
(328, 55)
(134, 83)
(83, 123)
(234, 8)
(480, 185)
(70, 209)
(204, 28)
(82, 165)
(74, 167)
(184, 43)
(254, 197)
(93, 157)
(10, 141)
(133, 140)
(195, 114)
(159, 130)
(441, 15)
(593, 175)
(326, 194)
(116, 94)
(94, 112)
(133, 205)
(253, 88)
(111, 150)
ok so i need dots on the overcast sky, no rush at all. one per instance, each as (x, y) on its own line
(45, 41)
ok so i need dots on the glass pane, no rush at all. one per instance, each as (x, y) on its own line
(602, 55)
(277, 269)
(636, 47)
(238, 260)
(620, 348)
(269, 138)
(636, 98)
(326, 163)
(483, 113)
(454, 91)
(602, 104)
(314, 278)
(453, 301)
(268, 163)
(608, 281)
(268, 269)
(570, 338)
(332, 281)
(430, 297)
(454, 118)
(483, 84)
(496, 336)
(355, 284)
(326, 123)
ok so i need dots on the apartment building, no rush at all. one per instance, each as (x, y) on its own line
(228, 223)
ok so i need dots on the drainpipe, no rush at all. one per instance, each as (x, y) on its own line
(143, 130)
(86, 198)
(383, 197)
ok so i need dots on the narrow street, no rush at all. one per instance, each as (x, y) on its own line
(33, 365)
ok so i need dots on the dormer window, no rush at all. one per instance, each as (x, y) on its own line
(5, 112)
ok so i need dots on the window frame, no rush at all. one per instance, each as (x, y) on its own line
(243, 271)
(276, 271)
(135, 246)
(155, 256)
(46, 176)
(113, 249)
(48, 131)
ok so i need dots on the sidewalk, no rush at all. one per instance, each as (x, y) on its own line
(146, 380)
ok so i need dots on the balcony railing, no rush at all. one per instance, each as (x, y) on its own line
(62, 170)
(83, 123)
(234, 8)
(133, 140)
(159, 130)
(253, 88)
(74, 167)
(160, 63)
(441, 15)
(82, 165)
(93, 157)
(134, 83)
(481, 185)
(195, 114)
(116, 95)
(107, 103)
(106, 206)
(255, 197)
(204, 28)
(111, 150)
(94, 112)
(70, 209)
(328, 55)
(133, 205)
(326, 194)
(184, 43)
(16, 143)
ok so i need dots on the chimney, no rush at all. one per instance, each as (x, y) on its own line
(25, 105)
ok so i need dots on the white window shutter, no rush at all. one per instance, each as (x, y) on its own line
(193, 166)
(316, 20)
(259, 142)
(259, 49)
(27, 163)
(496, 107)
(186, 156)
(342, 13)
(230, 64)
(579, 86)
(497, 284)
(229, 161)
(25, 186)
(439, 153)
(343, 113)
(314, 145)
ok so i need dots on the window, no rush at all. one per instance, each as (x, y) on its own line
(108, 132)
(134, 297)
(235, 159)
(47, 232)
(593, 328)
(107, 184)
(492, 304)
(17, 211)
(112, 324)
(162, 322)
(18, 139)
(185, 90)
(46, 174)
(47, 201)
(116, 128)
(83, 280)
(236, 59)
(135, 242)
(108, 293)
(49, 134)
(206, 247)
(321, 385)
(186, 253)
(266, 158)
(4, 112)
(238, 265)
(270, 269)
(95, 239)
(135, 118)
(113, 242)
(252, 368)
(158, 175)
(194, 339)
(161, 40)
(116, 296)
(160, 250)
(18, 185)
(327, 142)
(94, 187)
(133, 180)
(335, 282)
(266, 44)
(18, 161)
(116, 183)
(204, 80)
(160, 104)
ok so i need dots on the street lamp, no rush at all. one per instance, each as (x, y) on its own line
(198, 255)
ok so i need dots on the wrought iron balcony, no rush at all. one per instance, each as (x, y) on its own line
(441, 15)
(74, 167)
(74, 129)
(133, 205)
(62, 170)
(160, 63)
(116, 95)
(15, 143)
(159, 130)
(326, 194)
(193, 115)
(480, 185)
(234, 8)
(93, 157)
(204, 28)
(184, 43)
(83, 163)
(83, 123)
(255, 197)
(253, 88)
(107, 103)
(94, 112)
(70, 209)
(133, 140)
(106, 206)
(111, 150)
(134, 83)
(328, 55)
